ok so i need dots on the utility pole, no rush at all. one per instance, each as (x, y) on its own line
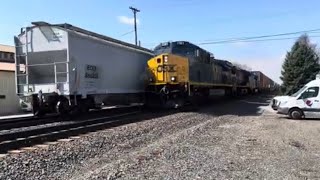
(135, 10)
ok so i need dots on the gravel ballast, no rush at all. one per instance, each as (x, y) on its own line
(186, 145)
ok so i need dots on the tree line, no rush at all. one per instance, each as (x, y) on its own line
(300, 66)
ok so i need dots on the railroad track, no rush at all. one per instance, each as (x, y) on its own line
(8, 124)
(16, 140)
(27, 138)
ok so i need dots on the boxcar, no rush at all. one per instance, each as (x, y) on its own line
(263, 81)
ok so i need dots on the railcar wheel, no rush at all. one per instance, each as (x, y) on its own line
(38, 113)
(62, 107)
(36, 106)
(295, 113)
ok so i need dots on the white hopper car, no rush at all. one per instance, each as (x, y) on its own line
(61, 68)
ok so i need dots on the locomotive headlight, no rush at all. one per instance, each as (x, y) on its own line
(165, 58)
(173, 78)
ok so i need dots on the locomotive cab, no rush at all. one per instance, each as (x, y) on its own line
(168, 77)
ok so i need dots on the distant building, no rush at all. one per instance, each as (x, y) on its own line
(9, 101)
(7, 53)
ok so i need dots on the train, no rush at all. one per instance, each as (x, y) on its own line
(61, 68)
(182, 71)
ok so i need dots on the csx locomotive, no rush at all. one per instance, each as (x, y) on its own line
(182, 71)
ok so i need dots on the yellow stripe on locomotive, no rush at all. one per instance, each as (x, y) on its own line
(168, 69)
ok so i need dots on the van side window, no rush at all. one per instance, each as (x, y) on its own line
(310, 92)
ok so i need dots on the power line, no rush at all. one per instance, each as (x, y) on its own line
(258, 37)
(255, 40)
(247, 41)
(236, 38)
(250, 39)
(127, 33)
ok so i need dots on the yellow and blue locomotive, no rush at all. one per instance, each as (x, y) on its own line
(182, 71)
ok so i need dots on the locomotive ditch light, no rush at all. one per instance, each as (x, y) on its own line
(173, 78)
(165, 58)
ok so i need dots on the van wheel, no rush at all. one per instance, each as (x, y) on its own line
(295, 113)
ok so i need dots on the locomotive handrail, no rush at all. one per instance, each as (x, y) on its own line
(48, 64)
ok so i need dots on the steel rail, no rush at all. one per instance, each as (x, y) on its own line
(18, 140)
(11, 123)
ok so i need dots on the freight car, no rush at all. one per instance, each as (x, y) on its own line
(264, 83)
(182, 71)
(61, 68)
(246, 81)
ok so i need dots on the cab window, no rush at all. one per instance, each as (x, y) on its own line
(310, 93)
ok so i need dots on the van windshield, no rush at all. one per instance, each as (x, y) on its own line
(298, 92)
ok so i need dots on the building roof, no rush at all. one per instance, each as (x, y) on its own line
(7, 66)
(6, 48)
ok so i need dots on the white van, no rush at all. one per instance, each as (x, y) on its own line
(305, 103)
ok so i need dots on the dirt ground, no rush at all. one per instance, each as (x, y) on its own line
(239, 139)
